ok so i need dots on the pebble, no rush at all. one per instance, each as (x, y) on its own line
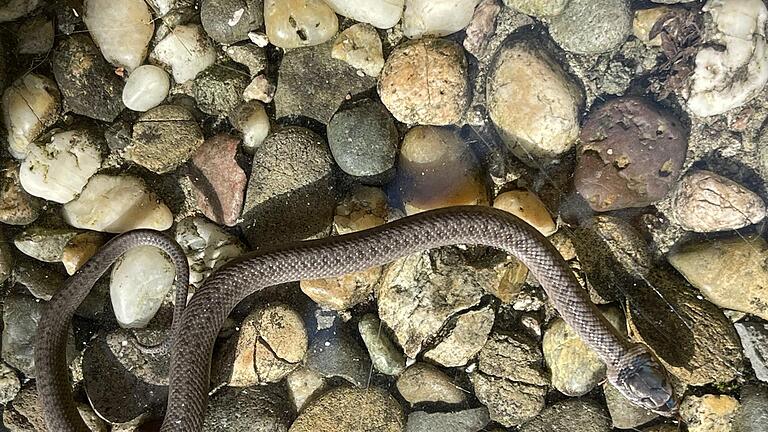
(146, 87)
(592, 26)
(17, 207)
(631, 154)
(20, 317)
(290, 194)
(299, 23)
(124, 45)
(41, 280)
(363, 139)
(576, 369)
(336, 353)
(314, 84)
(257, 408)
(250, 55)
(538, 8)
(360, 47)
(303, 385)
(15, 9)
(35, 36)
(364, 207)
(107, 200)
(730, 272)
(471, 420)
(139, 283)
(469, 333)
(230, 21)
(207, 247)
(30, 105)
(9, 383)
(437, 168)
(413, 96)
(6, 257)
(573, 415)
(44, 244)
(79, 249)
(533, 102)
(436, 17)
(752, 415)
(644, 21)
(164, 138)
(482, 27)
(708, 202)
(380, 14)
(528, 207)
(58, 170)
(218, 182)
(422, 382)
(252, 121)
(260, 89)
(25, 413)
(219, 89)
(625, 414)
(186, 50)
(385, 356)
(754, 339)
(709, 413)
(345, 409)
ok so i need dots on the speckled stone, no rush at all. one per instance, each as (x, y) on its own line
(592, 26)
(17, 207)
(219, 89)
(164, 138)
(218, 182)
(573, 415)
(350, 409)
(422, 382)
(709, 413)
(229, 21)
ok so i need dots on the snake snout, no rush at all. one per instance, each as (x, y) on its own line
(642, 379)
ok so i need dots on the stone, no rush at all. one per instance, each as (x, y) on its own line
(252, 121)
(425, 82)
(422, 382)
(59, 169)
(9, 384)
(41, 280)
(17, 207)
(6, 258)
(631, 154)
(35, 36)
(528, 207)
(482, 27)
(15, 9)
(360, 46)
(467, 337)
(345, 409)
(538, 8)
(20, 317)
(186, 50)
(380, 14)
(258, 408)
(303, 385)
(230, 21)
(219, 89)
(436, 17)
(754, 339)
(644, 21)
(30, 105)
(364, 207)
(164, 138)
(117, 204)
(534, 104)
(471, 420)
(290, 192)
(337, 354)
(260, 89)
(25, 413)
(710, 413)
(146, 87)
(385, 356)
(299, 23)
(592, 26)
(752, 414)
(218, 182)
(708, 202)
(438, 169)
(343, 292)
(314, 84)
(80, 249)
(730, 272)
(574, 415)
(123, 45)
(250, 55)
(207, 247)
(625, 414)
(44, 244)
(363, 139)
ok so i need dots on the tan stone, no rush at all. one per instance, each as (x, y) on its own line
(528, 207)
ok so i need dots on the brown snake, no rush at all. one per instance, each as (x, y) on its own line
(631, 367)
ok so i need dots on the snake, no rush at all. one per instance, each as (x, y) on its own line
(630, 366)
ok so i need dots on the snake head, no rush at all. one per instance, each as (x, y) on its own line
(641, 378)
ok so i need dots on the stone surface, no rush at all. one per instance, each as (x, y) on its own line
(625, 414)
(30, 105)
(9, 384)
(472, 420)
(425, 81)
(422, 382)
(17, 207)
(164, 138)
(360, 46)
(754, 339)
(482, 27)
(338, 354)
(219, 89)
(303, 385)
(528, 207)
(250, 55)
(218, 181)
(709, 413)
(469, 333)
(186, 50)
(538, 8)
(139, 283)
(385, 356)
(251, 119)
(436, 17)
(79, 249)
(44, 244)
(299, 23)
(258, 408)
(350, 409)
(575, 415)
(20, 317)
(15, 9)
(146, 87)
(123, 45)
(592, 26)
(207, 247)
(6, 257)
(381, 14)
(229, 21)
(752, 415)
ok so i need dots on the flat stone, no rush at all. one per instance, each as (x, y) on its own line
(592, 26)
(345, 409)
(385, 356)
(467, 337)
(230, 21)
(754, 338)
(20, 317)
(422, 382)
(752, 415)
(164, 138)
(573, 415)
(44, 244)
(218, 181)
(472, 420)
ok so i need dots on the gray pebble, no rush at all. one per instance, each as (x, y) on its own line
(592, 26)
(219, 89)
(752, 415)
(386, 357)
(229, 21)
(164, 138)
(472, 420)
(20, 317)
(572, 415)
(336, 354)
(754, 339)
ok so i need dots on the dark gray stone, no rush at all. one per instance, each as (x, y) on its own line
(219, 89)
(20, 317)
(754, 339)
(218, 17)
(752, 415)
(335, 353)
(472, 420)
(572, 415)
(255, 409)
(164, 138)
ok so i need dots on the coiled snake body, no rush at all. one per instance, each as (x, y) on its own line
(631, 368)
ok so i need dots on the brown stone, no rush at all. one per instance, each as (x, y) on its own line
(17, 207)
(218, 181)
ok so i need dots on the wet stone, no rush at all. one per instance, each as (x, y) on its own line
(385, 356)
(303, 385)
(472, 420)
(164, 138)
(207, 247)
(337, 354)
(35, 36)
(422, 382)
(469, 333)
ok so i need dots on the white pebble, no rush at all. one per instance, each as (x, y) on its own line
(187, 50)
(140, 281)
(251, 119)
(59, 169)
(383, 14)
(207, 247)
(122, 30)
(30, 105)
(436, 17)
(117, 204)
(146, 88)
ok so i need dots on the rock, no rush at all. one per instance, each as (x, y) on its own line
(414, 96)
(360, 46)
(422, 382)
(710, 413)
(533, 102)
(146, 87)
(257, 408)
(20, 317)
(218, 182)
(482, 27)
(754, 338)
(6, 258)
(346, 409)
(42, 281)
(9, 384)
(574, 415)
(44, 244)
(229, 21)
(25, 413)
(436, 17)
(30, 105)
(17, 207)
(292, 175)
(385, 356)
(472, 420)
(592, 26)
(380, 14)
(538, 8)
(206, 246)
(252, 121)
(303, 385)
(337, 354)
(630, 156)
(730, 272)
(251, 56)
(644, 21)
(59, 169)
(79, 249)
(117, 204)
(12, 10)
(219, 89)
(299, 23)
(164, 138)
(752, 415)
(528, 207)
(314, 84)
(365, 207)
(363, 139)
(260, 89)
(625, 414)
(707, 202)
(139, 283)
(438, 169)
(187, 50)
(35, 36)
(123, 45)
(727, 78)
(469, 333)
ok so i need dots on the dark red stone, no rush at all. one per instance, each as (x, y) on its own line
(218, 181)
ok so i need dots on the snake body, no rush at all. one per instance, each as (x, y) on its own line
(631, 368)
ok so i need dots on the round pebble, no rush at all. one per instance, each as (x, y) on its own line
(299, 23)
(140, 280)
(422, 382)
(30, 105)
(528, 207)
(187, 50)
(252, 121)
(360, 46)
(123, 45)
(146, 88)
(592, 26)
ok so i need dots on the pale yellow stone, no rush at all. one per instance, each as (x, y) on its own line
(360, 47)
(299, 23)
(644, 21)
(528, 207)
(80, 249)
(709, 413)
